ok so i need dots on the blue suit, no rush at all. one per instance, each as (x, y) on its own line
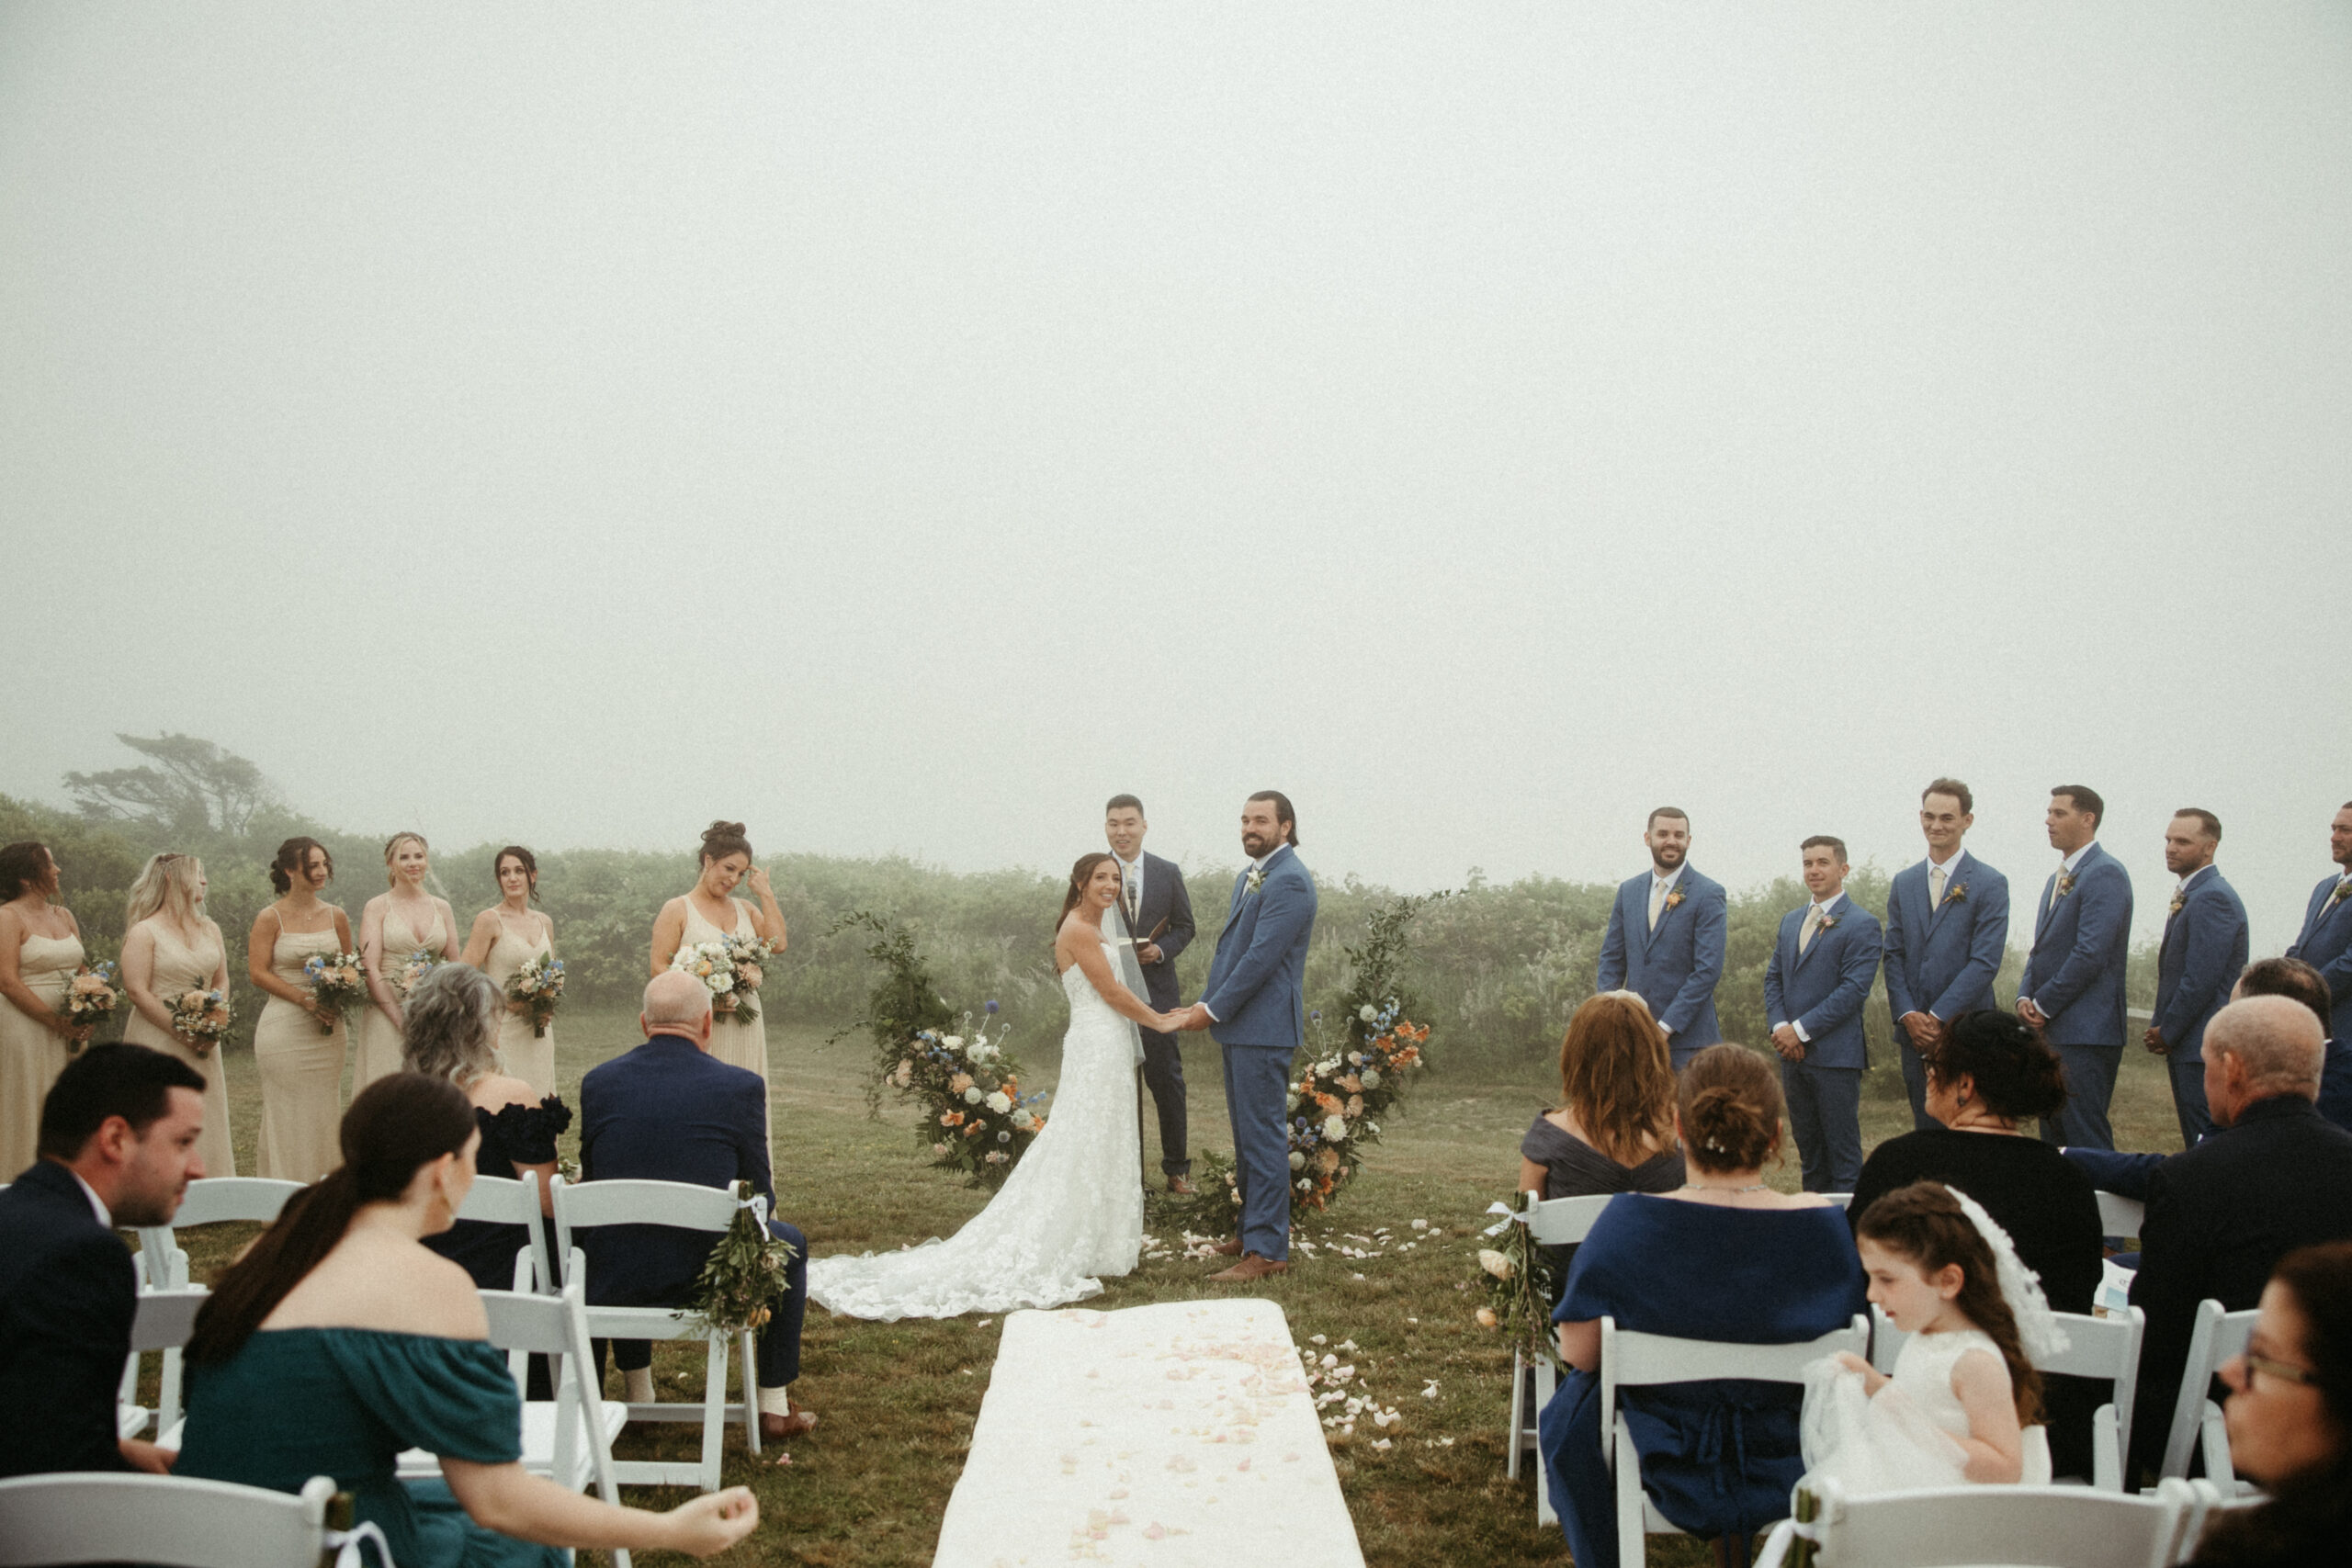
(1256, 994)
(1675, 967)
(2074, 975)
(1942, 961)
(2326, 944)
(668, 1112)
(2204, 948)
(1821, 991)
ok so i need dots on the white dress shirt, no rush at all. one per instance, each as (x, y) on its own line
(1660, 888)
(1131, 876)
(97, 1204)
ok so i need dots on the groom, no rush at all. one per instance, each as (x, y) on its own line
(1255, 1002)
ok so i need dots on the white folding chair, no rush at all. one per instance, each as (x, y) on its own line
(1839, 1200)
(2118, 1215)
(510, 1201)
(2017, 1527)
(684, 1206)
(2104, 1348)
(2208, 1503)
(167, 1521)
(164, 1322)
(2196, 1418)
(214, 1200)
(1550, 1222)
(1646, 1360)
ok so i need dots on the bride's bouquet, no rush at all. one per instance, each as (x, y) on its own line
(203, 1017)
(534, 989)
(337, 983)
(733, 969)
(90, 998)
(412, 970)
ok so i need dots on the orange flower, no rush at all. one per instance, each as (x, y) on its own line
(952, 1119)
(975, 1130)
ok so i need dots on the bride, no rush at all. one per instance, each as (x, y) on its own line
(1072, 1210)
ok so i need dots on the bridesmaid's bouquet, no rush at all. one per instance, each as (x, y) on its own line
(413, 969)
(90, 998)
(733, 969)
(534, 989)
(203, 1017)
(337, 983)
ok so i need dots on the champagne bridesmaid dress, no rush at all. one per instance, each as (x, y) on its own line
(732, 1041)
(30, 1056)
(527, 1056)
(302, 1071)
(379, 1041)
(178, 970)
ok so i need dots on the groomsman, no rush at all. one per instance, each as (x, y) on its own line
(1159, 916)
(1815, 987)
(1665, 939)
(2073, 986)
(1947, 929)
(2326, 940)
(2204, 951)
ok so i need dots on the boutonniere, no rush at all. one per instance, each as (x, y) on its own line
(1828, 923)
(2179, 902)
(1956, 894)
(2065, 883)
(2343, 891)
(1256, 879)
(1676, 896)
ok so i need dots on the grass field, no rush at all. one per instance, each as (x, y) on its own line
(897, 1401)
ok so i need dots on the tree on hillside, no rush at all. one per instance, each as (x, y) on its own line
(191, 786)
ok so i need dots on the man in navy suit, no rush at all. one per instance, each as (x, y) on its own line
(1819, 977)
(1665, 939)
(2325, 942)
(1159, 916)
(2203, 951)
(117, 1147)
(1255, 1009)
(1947, 929)
(2073, 986)
(669, 1111)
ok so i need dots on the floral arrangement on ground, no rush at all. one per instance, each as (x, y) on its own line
(974, 1117)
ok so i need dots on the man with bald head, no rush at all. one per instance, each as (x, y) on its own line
(2274, 1178)
(669, 1111)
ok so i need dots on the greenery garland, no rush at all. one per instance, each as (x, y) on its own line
(1521, 1283)
(743, 1273)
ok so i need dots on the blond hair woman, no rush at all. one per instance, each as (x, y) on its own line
(395, 925)
(170, 947)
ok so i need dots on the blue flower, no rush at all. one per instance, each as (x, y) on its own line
(991, 1007)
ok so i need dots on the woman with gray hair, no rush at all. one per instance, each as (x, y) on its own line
(449, 1030)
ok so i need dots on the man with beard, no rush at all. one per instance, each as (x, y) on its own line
(1665, 939)
(2325, 942)
(2203, 950)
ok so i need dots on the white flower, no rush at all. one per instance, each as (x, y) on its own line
(1298, 1160)
(1367, 1012)
(720, 982)
(972, 1096)
(1023, 1120)
(1335, 1129)
(998, 1103)
(953, 1041)
(1371, 1078)
(1290, 1102)
(1495, 1263)
(1420, 1225)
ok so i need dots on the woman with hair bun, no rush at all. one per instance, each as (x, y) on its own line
(506, 936)
(395, 925)
(170, 947)
(299, 1043)
(41, 952)
(710, 911)
(1725, 1258)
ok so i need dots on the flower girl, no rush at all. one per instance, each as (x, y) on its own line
(1965, 1402)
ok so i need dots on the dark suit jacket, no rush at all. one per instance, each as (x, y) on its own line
(2203, 949)
(665, 1111)
(1675, 967)
(2325, 944)
(1164, 898)
(1942, 961)
(2076, 972)
(1824, 988)
(2220, 1217)
(67, 1297)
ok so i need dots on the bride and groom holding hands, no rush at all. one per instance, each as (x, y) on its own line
(1072, 1212)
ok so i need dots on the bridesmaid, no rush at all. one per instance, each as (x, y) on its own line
(41, 952)
(301, 1067)
(502, 940)
(710, 912)
(169, 948)
(393, 926)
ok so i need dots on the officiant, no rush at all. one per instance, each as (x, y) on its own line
(1159, 918)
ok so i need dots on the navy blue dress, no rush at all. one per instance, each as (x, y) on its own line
(1717, 1458)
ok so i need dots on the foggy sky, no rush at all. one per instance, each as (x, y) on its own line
(900, 427)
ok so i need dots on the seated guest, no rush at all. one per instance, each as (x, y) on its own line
(449, 1030)
(1723, 1258)
(1987, 1075)
(338, 1340)
(2289, 1417)
(1614, 1129)
(2223, 1215)
(118, 1132)
(671, 1111)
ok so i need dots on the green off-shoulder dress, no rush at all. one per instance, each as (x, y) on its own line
(295, 1402)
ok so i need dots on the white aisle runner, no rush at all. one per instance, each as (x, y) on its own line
(1174, 1435)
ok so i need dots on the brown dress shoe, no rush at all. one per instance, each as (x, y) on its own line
(1250, 1268)
(1228, 1249)
(1182, 1186)
(783, 1428)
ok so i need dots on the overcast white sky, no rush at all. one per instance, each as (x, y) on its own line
(901, 426)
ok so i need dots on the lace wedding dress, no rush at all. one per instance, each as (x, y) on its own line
(1070, 1212)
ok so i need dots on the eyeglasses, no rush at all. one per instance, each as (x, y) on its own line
(2285, 1371)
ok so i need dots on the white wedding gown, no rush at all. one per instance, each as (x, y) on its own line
(1070, 1212)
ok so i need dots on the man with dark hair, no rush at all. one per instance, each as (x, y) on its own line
(1814, 986)
(1158, 913)
(2293, 977)
(1665, 939)
(2071, 990)
(2326, 942)
(2204, 948)
(117, 1147)
(1947, 930)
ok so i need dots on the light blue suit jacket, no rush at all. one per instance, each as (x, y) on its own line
(2075, 974)
(2204, 947)
(1257, 988)
(1942, 961)
(2326, 945)
(1675, 967)
(1824, 988)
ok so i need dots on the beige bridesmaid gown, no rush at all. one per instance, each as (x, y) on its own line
(302, 1072)
(178, 970)
(379, 1041)
(30, 1056)
(737, 1044)
(527, 1056)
